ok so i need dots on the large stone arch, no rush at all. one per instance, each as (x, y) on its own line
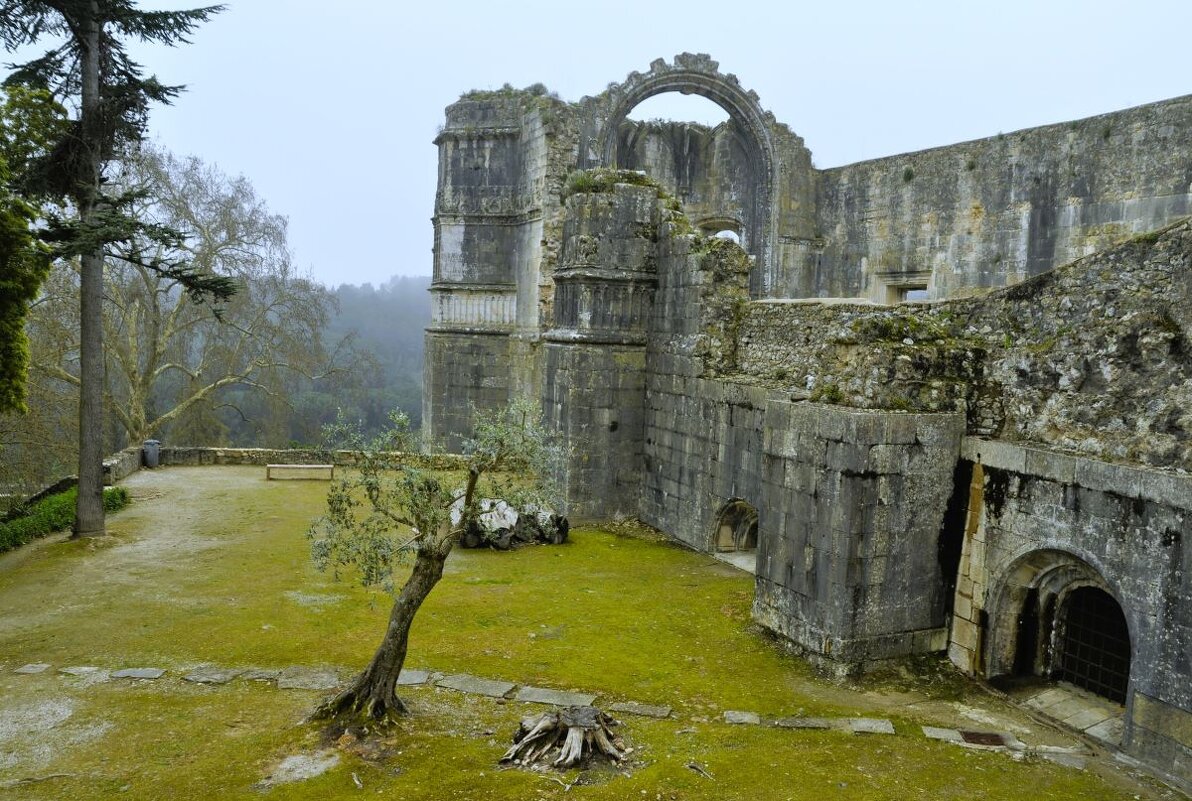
(699, 74)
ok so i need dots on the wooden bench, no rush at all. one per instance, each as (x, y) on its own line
(292, 472)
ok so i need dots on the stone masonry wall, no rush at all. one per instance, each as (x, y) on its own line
(980, 214)
(595, 355)
(703, 436)
(462, 372)
(995, 211)
(705, 168)
(852, 505)
(1093, 357)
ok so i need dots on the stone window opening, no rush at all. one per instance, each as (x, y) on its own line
(722, 228)
(736, 528)
(901, 287)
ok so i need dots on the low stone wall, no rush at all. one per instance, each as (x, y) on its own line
(121, 465)
(173, 456)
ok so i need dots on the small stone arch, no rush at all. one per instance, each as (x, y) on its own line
(699, 74)
(1041, 598)
(736, 527)
(717, 226)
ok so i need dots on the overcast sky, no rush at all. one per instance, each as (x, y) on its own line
(330, 108)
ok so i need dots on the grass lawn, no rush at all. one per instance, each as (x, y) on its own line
(210, 566)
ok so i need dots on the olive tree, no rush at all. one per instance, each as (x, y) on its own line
(387, 511)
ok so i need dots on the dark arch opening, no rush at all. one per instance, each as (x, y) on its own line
(1092, 643)
(736, 528)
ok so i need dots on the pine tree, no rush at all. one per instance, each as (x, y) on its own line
(92, 70)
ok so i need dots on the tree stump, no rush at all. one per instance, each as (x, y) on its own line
(577, 732)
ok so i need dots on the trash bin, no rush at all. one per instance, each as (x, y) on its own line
(151, 452)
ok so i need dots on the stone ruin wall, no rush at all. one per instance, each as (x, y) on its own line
(995, 211)
(1092, 357)
(956, 219)
(861, 433)
(1075, 389)
(1049, 521)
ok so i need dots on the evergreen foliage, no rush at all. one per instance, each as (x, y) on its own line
(88, 63)
(67, 170)
(29, 122)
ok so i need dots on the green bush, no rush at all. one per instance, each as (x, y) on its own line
(55, 513)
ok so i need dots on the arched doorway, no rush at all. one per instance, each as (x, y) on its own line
(1055, 617)
(736, 528)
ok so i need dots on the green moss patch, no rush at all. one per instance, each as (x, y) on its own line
(210, 565)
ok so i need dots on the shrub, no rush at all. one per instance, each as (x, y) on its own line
(55, 513)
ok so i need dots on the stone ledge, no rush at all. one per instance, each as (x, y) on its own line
(1144, 483)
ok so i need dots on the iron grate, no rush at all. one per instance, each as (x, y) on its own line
(1094, 644)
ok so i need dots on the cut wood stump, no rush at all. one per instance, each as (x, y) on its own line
(576, 733)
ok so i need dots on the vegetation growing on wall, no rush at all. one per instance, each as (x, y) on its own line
(605, 179)
(507, 91)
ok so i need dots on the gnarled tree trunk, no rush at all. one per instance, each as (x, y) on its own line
(372, 697)
(564, 738)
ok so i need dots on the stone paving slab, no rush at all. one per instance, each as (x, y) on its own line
(33, 667)
(211, 675)
(408, 678)
(1087, 718)
(1109, 730)
(1047, 698)
(260, 674)
(138, 673)
(306, 678)
(88, 673)
(805, 723)
(870, 726)
(1066, 708)
(742, 718)
(476, 686)
(645, 710)
(948, 735)
(543, 695)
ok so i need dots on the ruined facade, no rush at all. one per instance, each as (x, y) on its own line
(998, 473)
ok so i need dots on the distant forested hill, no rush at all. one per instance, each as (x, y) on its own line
(387, 323)
(374, 338)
